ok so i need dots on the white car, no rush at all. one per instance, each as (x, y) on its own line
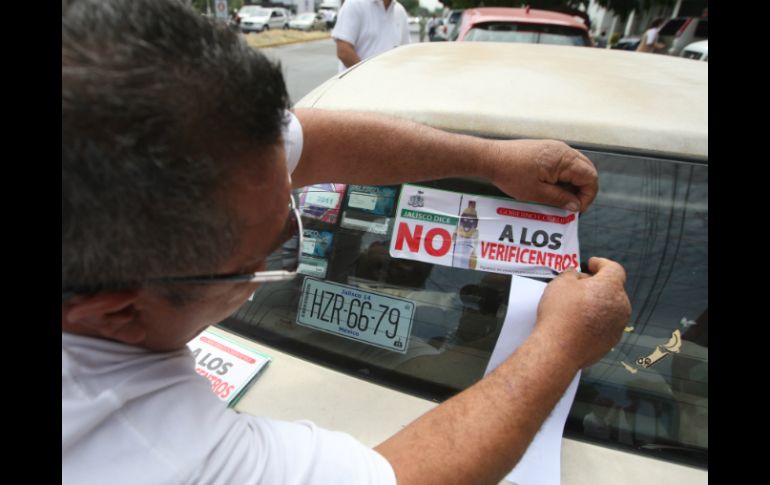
(640, 415)
(308, 21)
(258, 19)
(697, 50)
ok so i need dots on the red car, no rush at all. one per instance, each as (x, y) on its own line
(524, 25)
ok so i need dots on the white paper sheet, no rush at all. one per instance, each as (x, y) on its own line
(541, 463)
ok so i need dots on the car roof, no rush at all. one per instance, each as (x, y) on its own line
(609, 99)
(701, 45)
(533, 16)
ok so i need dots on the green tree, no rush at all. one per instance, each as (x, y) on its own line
(623, 8)
(411, 6)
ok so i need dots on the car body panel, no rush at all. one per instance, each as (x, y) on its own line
(624, 115)
(477, 16)
(298, 389)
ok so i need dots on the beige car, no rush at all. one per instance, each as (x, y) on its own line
(640, 415)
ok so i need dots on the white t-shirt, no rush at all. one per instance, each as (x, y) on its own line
(131, 416)
(370, 28)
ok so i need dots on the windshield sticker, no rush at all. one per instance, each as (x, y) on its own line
(673, 346)
(349, 312)
(322, 201)
(371, 199)
(361, 221)
(484, 233)
(312, 266)
(316, 243)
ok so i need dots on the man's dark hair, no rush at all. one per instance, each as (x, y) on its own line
(657, 23)
(159, 106)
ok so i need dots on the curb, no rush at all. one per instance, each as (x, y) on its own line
(288, 42)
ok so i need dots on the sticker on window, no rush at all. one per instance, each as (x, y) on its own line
(375, 200)
(484, 233)
(349, 312)
(360, 221)
(316, 243)
(322, 201)
(312, 266)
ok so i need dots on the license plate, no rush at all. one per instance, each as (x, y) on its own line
(347, 311)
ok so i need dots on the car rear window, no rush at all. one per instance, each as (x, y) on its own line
(648, 395)
(526, 33)
(672, 26)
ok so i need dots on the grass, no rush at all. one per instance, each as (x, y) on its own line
(273, 38)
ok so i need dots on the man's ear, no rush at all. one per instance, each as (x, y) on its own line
(111, 315)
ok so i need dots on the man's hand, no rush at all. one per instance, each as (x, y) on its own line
(545, 171)
(585, 315)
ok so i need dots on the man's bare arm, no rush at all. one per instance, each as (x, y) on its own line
(480, 434)
(367, 148)
(346, 53)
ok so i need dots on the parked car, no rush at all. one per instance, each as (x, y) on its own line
(499, 24)
(308, 21)
(640, 415)
(697, 50)
(448, 28)
(330, 14)
(678, 32)
(259, 19)
(627, 44)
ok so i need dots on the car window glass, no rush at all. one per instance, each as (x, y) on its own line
(649, 394)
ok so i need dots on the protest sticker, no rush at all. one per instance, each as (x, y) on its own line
(484, 233)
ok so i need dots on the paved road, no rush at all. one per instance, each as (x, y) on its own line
(306, 66)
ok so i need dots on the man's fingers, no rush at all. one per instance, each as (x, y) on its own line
(605, 268)
(581, 173)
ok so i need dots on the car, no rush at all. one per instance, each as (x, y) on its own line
(447, 28)
(500, 24)
(330, 14)
(678, 32)
(259, 19)
(697, 50)
(627, 43)
(308, 21)
(640, 415)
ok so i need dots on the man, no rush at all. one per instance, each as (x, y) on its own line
(649, 41)
(366, 28)
(178, 156)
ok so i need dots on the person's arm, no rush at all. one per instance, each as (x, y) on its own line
(479, 435)
(364, 148)
(346, 53)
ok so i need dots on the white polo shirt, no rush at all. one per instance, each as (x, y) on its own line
(370, 28)
(134, 417)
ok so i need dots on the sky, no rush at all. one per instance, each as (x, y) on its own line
(430, 4)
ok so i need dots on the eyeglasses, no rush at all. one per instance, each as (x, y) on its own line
(282, 264)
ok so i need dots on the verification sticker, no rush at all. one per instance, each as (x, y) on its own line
(372, 199)
(322, 201)
(312, 267)
(316, 243)
(365, 222)
(363, 316)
